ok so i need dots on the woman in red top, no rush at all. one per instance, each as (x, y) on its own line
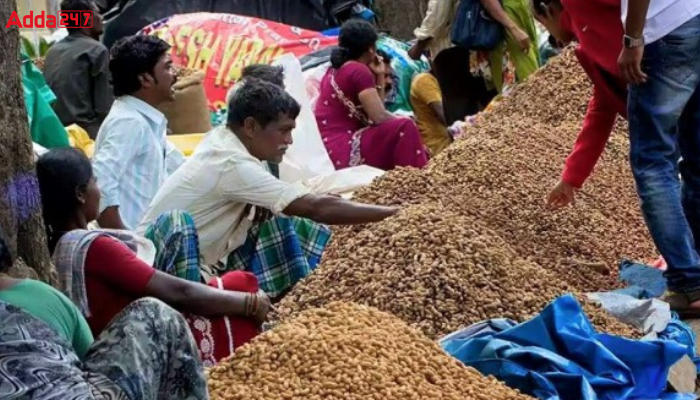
(102, 274)
(355, 127)
(597, 26)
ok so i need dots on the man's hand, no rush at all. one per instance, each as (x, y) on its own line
(378, 67)
(416, 51)
(521, 37)
(630, 63)
(562, 195)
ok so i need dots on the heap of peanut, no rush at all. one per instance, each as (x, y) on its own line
(435, 269)
(346, 351)
(502, 169)
(474, 240)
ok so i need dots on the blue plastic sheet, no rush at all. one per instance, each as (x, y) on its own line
(645, 282)
(559, 355)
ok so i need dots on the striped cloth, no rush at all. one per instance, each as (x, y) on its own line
(69, 258)
(177, 246)
(133, 158)
(280, 252)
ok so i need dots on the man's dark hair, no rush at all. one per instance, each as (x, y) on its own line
(79, 5)
(132, 56)
(265, 72)
(261, 100)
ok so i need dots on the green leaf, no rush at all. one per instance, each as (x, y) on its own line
(43, 47)
(28, 47)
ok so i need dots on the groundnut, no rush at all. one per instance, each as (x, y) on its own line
(464, 287)
(358, 347)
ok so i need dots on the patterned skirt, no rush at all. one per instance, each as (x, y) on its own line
(146, 352)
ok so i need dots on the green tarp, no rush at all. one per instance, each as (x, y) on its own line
(45, 127)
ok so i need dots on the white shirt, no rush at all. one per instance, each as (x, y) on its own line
(214, 186)
(132, 157)
(437, 25)
(664, 16)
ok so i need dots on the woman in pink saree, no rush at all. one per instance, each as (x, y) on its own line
(355, 126)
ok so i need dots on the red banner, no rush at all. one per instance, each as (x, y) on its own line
(221, 45)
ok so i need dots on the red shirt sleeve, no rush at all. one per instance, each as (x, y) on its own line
(116, 265)
(591, 140)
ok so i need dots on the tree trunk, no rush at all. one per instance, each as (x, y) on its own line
(400, 17)
(21, 223)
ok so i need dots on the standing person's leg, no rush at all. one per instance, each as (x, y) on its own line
(496, 66)
(673, 68)
(525, 62)
(149, 352)
(461, 91)
(690, 164)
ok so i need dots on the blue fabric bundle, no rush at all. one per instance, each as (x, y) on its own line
(559, 355)
(643, 281)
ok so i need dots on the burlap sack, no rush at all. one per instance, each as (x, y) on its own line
(189, 112)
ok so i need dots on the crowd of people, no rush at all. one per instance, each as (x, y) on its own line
(166, 264)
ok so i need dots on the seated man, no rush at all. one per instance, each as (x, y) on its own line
(389, 94)
(228, 189)
(132, 156)
(77, 70)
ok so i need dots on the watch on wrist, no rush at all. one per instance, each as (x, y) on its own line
(631, 42)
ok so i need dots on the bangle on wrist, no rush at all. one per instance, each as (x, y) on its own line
(250, 304)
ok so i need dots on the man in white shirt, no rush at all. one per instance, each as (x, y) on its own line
(226, 187)
(132, 156)
(661, 61)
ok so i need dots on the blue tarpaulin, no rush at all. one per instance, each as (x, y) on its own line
(645, 282)
(559, 355)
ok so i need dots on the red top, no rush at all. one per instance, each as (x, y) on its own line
(114, 277)
(335, 123)
(598, 29)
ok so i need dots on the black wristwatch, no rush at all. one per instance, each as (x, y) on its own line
(630, 42)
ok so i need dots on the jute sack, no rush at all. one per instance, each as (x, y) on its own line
(189, 112)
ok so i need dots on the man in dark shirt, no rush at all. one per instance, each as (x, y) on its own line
(77, 70)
